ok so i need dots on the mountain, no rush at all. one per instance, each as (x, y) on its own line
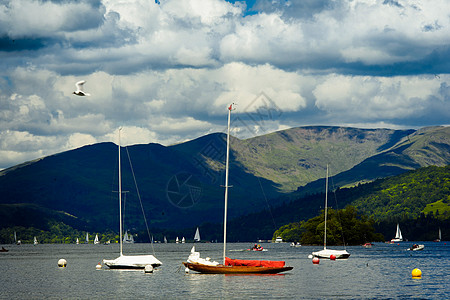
(428, 146)
(180, 185)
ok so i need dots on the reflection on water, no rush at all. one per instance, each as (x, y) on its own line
(383, 271)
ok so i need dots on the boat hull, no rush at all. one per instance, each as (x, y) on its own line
(339, 254)
(132, 262)
(396, 240)
(416, 248)
(221, 269)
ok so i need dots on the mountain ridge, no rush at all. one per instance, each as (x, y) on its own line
(180, 185)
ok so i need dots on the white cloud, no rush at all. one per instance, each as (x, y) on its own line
(167, 72)
(28, 18)
(385, 98)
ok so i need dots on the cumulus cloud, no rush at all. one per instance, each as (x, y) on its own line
(166, 72)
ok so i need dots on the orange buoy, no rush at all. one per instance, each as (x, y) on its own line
(316, 260)
(333, 257)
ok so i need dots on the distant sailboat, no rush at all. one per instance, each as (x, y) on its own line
(177, 240)
(16, 241)
(440, 237)
(398, 235)
(326, 253)
(183, 240)
(96, 241)
(197, 236)
(128, 238)
(165, 240)
(35, 242)
(87, 238)
(78, 241)
(128, 261)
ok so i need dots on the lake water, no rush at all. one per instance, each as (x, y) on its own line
(380, 272)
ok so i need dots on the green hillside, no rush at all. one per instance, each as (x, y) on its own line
(419, 200)
(180, 186)
(408, 195)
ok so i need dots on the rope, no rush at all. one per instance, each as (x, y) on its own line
(140, 200)
(337, 209)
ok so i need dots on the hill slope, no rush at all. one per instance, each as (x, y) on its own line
(418, 199)
(180, 185)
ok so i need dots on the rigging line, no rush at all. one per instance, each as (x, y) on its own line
(267, 202)
(337, 209)
(265, 198)
(140, 200)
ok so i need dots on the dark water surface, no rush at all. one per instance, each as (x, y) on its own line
(380, 272)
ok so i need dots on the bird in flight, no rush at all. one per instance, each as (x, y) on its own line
(79, 91)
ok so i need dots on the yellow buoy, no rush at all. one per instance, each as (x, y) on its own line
(416, 273)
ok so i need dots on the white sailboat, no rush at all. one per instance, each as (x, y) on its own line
(16, 241)
(183, 240)
(177, 240)
(78, 241)
(231, 266)
(87, 238)
(96, 241)
(165, 240)
(128, 238)
(398, 235)
(35, 242)
(128, 261)
(326, 253)
(440, 237)
(197, 236)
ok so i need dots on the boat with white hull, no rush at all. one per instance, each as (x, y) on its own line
(128, 261)
(398, 235)
(416, 247)
(327, 253)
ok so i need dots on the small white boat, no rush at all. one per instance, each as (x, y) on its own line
(96, 241)
(439, 236)
(128, 261)
(279, 239)
(398, 235)
(177, 240)
(183, 240)
(128, 238)
(35, 242)
(16, 241)
(197, 236)
(327, 253)
(295, 244)
(416, 247)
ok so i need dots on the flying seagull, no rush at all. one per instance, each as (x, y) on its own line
(79, 91)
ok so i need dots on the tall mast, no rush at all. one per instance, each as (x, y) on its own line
(226, 186)
(120, 199)
(326, 205)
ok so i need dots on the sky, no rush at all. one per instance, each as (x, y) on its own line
(165, 71)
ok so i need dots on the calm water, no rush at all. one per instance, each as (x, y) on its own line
(381, 272)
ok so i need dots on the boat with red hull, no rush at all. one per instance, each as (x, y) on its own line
(232, 266)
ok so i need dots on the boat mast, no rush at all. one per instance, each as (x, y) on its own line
(226, 186)
(120, 200)
(326, 205)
